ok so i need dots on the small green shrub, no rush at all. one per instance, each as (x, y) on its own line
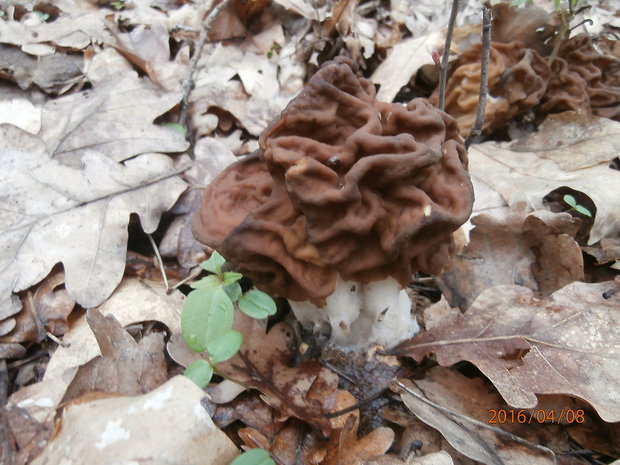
(208, 314)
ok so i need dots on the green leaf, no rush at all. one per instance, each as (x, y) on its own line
(208, 282)
(176, 127)
(570, 200)
(214, 264)
(195, 318)
(257, 304)
(254, 457)
(233, 291)
(583, 210)
(221, 315)
(231, 277)
(200, 372)
(224, 346)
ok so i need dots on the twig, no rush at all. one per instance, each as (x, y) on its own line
(473, 421)
(159, 261)
(188, 82)
(476, 129)
(443, 72)
(56, 340)
(193, 274)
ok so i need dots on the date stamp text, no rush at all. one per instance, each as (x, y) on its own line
(500, 416)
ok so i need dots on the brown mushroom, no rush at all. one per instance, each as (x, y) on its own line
(360, 195)
(517, 80)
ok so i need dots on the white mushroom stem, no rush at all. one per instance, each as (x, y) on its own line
(360, 314)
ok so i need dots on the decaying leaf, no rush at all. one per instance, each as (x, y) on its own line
(133, 301)
(469, 397)
(534, 250)
(77, 217)
(167, 425)
(125, 366)
(565, 344)
(530, 169)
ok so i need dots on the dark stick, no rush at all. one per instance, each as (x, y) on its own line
(476, 129)
(188, 82)
(443, 71)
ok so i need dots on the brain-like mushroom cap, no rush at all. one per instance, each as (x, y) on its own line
(345, 185)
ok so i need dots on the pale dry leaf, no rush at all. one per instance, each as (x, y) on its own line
(125, 367)
(311, 10)
(406, 57)
(167, 425)
(115, 118)
(132, 302)
(471, 398)
(565, 344)
(69, 31)
(22, 113)
(77, 217)
(523, 175)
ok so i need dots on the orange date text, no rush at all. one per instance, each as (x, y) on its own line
(564, 416)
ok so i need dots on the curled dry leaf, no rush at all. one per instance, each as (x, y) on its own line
(125, 366)
(53, 303)
(565, 344)
(471, 398)
(132, 302)
(531, 169)
(167, 425)
(534, 250)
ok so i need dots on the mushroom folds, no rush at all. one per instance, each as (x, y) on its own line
(344, 189)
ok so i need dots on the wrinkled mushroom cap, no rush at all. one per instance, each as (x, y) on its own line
(345, 186)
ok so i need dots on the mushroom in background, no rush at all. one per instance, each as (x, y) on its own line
(348, 198)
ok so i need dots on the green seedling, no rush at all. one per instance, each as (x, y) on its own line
(572, 202)
(208, 314)
(254, 457)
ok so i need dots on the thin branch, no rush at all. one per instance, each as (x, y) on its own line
(188, 82)
(162, 269)
(443, 72)
(194, 273)
(475, 422)
(476, 129)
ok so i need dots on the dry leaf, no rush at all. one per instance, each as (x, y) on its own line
(471, 398)
(552, 158)
(533, 250)
(565, 344)
(133, 301)
(115, 118)
(167, 425)
(125, 367)
(407, 57)
(77, 217)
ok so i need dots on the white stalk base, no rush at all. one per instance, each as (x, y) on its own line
(362, 314)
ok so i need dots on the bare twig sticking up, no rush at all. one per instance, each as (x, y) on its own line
(443, 72)
(476, 129)
(188, 82)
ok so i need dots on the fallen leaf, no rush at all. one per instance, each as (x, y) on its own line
(565, 344)
(125, 367)
(167, 425)
(407, 57)
(115, 118)
(534, 250)
(76, 216)
(53, 303)
(531, 169)
(133, 301)
(468, 397)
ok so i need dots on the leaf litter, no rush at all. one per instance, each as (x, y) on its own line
(91, 151)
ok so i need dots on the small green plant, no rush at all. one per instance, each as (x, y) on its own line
(572, 202)
(254, 457)
(208, 314)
